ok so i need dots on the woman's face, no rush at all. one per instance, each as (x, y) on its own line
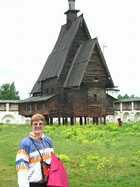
(37, 126)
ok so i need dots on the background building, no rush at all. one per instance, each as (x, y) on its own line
(127, 110)
(9, 113)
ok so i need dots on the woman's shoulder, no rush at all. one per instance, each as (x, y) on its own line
(25, 140)
(25, 143)
(48, 140)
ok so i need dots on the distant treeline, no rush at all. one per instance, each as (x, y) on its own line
(126, 96)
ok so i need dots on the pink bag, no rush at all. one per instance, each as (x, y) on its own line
(57, 175)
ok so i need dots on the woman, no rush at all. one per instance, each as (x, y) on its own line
(32, 151)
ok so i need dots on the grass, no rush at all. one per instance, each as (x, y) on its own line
(95, 156)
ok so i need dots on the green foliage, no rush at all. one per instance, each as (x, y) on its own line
(123, 97)
(95, 156)
(8, 92)
(126, 96)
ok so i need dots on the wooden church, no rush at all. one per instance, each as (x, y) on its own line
(75, 78)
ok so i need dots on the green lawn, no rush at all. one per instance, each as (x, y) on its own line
(95, 156)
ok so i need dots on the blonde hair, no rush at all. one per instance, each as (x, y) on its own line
(37, 117)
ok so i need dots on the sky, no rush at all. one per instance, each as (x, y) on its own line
(29, 30)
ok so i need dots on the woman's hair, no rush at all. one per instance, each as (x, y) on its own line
(37, 117)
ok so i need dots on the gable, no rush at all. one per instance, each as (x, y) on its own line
(97, 73)
(88, 66)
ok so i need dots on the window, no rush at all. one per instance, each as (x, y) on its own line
(96, 79)
(47, 90)
(95, 97)
(2, 107)
(13, 107)
(65, 98)
(52, 91)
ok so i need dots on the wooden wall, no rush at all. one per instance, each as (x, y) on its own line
(95, 74)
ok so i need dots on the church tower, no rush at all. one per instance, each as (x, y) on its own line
(71, 13)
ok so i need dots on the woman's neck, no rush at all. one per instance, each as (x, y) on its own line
(38, 135)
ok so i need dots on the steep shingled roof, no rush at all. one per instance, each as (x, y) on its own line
(57, 58)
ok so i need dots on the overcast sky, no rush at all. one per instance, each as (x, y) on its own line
(29, 30)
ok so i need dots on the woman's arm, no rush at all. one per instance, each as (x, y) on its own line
(22, 165)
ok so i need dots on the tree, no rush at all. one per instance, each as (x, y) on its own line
(8, 92)
(120, 96)
(126, 96)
